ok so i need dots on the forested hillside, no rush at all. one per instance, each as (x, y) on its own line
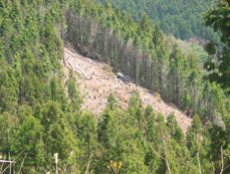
(40, 107)
(140, 51)
(180, 17)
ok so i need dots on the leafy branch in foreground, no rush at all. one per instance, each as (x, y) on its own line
(218, 64)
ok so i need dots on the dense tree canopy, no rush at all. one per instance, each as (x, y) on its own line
(182, 18)
(40, 108)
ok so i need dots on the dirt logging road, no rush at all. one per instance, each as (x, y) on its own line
(96, 82)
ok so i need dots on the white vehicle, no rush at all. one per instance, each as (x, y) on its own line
(123, 77)
(120, 75)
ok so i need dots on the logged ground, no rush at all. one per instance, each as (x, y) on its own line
(96, 82)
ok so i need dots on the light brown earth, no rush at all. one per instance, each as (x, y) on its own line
(96, 82)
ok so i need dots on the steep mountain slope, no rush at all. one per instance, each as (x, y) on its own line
(97, 82)
(41, 110)
(143, 53)
(180, 17)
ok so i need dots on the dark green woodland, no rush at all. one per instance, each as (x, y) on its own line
(183, 18)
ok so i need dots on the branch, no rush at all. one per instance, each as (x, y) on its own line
(87, 169)
(2, 163)
(222, 157)
(10, 163)
(22, 163)
(165, 159)
(5, 161)
(157, 153)
(213, 166)
(222, 160)
(198, 158)
(227, 167)
(14, 159)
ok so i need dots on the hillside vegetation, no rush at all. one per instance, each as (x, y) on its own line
(40, 108)
(180, 17)
(138, 50)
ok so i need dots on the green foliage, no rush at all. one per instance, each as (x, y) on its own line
(218, 63)
(181, 18)
(41, 115)
(196, 124)
(175, 130)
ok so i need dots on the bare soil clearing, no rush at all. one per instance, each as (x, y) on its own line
(96, 82)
